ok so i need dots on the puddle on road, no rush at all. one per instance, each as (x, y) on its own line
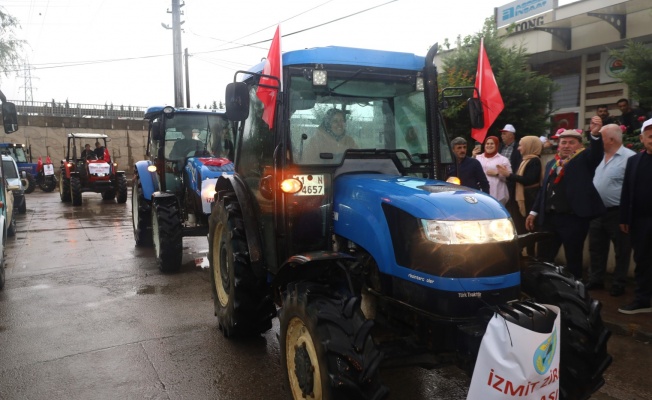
(153, 289)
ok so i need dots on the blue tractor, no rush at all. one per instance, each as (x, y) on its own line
(338, 219)
(33, 174)
(173, 189)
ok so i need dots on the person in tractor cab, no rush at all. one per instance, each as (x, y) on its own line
(187, 146)
(331, 137)
(87, 152)
(99, 150)
(222, 144)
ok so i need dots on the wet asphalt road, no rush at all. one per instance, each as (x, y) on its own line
(87, 315)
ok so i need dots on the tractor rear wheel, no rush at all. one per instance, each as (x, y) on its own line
(167, 233)
(583, 351)
(75, 191)
(326, 348)
(29, 182)
(122, 189)
(141, 215)
(242, 303)
(64, 189)
(48, 183)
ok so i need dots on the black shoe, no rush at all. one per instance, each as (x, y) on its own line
(635, 308)
(617, 290)
(594, 286)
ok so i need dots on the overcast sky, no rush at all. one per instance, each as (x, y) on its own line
(116, 51)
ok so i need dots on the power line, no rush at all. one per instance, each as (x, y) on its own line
(91, 62)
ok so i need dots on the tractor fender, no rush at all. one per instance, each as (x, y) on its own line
(148, 180)
(305, 265)
(164, 198)
(233, 183)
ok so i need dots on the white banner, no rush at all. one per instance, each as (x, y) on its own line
(48, 169)
(517, 363)
(100, 169)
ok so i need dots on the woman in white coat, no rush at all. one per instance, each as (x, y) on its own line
(490, 160)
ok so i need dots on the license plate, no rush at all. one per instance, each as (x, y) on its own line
(48, 169)
(313, 185)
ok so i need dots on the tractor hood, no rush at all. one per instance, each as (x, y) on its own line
(201, 175)
(421, 198)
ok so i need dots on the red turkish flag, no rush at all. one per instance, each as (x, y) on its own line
(273, 68)
(492, 102)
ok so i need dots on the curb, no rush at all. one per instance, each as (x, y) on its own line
(628, 329)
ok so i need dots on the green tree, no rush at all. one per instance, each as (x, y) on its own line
(637, 57)
(527, 95)
(10, 47)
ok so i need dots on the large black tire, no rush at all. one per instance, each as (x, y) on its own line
(141, 215)
(22, 208)
(167, 233)
(48, 183)
(64, 189)
(326, 347)
(121, 195)
(29, 183)
(11, 228)
(243, 305)
(583, 351)
(75, 191)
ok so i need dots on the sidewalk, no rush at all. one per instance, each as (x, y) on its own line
(638, 325)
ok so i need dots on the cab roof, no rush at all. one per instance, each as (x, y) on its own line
(88, 135)
(155, 111)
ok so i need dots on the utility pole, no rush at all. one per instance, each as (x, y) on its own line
(176, 46)
(187, 79)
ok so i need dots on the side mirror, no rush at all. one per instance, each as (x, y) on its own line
(475, 112)
(9, 117)
(237, 101)
(156, 131)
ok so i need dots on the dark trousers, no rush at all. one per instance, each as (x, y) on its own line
(570, 231)
(604, 230)
(641, 237)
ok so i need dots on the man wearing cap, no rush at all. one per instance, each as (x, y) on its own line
(509, 149)
(467, 169)
(605, 229)
(636, 219)
(567, 200)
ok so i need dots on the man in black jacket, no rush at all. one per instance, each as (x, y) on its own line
(636, 219)
(567, 200)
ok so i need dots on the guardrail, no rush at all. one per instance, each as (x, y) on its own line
(79, 110)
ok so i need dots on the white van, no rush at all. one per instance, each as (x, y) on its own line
(15, 183)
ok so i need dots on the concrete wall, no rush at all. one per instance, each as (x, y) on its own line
(47, 135)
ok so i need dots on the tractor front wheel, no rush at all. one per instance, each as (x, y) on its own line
(583, 351)
(242, 303)
(75, 191)
(48, 183)
(167, 233)
(326, 348)
(29, 183)
(122, 189)
(64, 189)
(141, 215)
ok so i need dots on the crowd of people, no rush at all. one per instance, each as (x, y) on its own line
(597, 190)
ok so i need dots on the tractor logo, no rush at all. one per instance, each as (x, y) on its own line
(470, 199)
(545, 353)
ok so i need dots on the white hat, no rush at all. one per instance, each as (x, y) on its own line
(646, 124)
(508, 128)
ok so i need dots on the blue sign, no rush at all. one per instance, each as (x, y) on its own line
(521, 9)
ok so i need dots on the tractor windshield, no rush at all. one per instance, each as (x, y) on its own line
(19, 155)
(358, 111)
(188, 135)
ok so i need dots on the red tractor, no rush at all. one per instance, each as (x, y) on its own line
(90, 170)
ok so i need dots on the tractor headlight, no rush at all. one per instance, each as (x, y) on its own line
(469, 232)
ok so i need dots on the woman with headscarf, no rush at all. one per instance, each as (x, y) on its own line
(491, 159)
(527, 178)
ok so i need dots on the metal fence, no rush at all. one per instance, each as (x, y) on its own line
(79, 110)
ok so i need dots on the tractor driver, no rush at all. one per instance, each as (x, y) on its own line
(99, 150)
(87, 152)
(187, 146)
(331, 138)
